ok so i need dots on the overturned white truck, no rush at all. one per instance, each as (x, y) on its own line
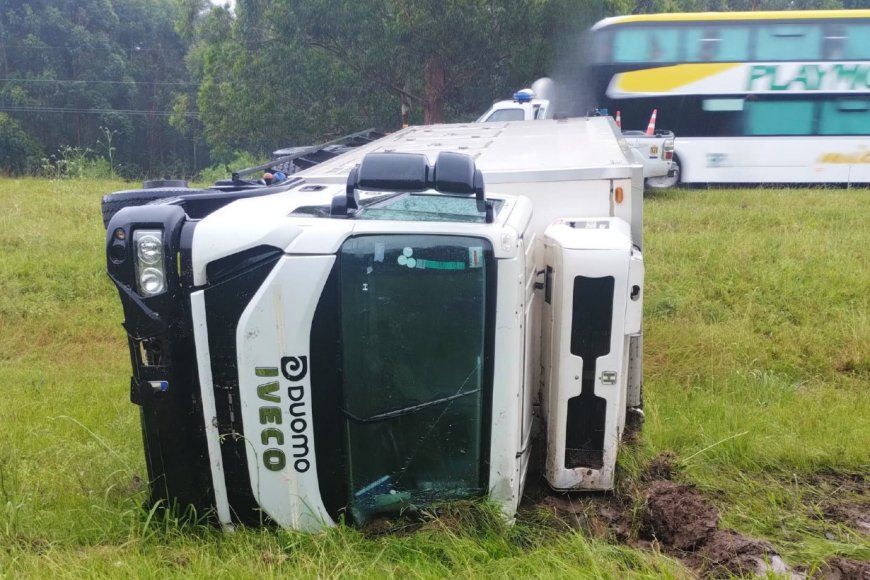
(393, 328)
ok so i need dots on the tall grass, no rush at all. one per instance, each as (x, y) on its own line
(757, 367)
(757, 338)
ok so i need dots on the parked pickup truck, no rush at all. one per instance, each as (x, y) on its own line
(653, 149)
(657, 152)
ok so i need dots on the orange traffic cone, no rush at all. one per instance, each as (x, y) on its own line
(618, 120)
(651, 128)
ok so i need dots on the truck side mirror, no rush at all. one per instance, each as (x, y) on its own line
(347, 203)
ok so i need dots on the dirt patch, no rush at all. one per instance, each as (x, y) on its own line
(854, 515)
(678, 515)
(845, 500)
(839, 568)
(727, 553)
(686, 524)
(853, 366)
(675, 518)
(835, 484)
(656, 511)
(603, 516)
(663, 466)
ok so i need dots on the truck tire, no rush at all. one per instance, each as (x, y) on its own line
(118, 200)
(665, 182)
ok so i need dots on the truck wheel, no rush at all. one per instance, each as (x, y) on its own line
(666, 181)
(116, 201)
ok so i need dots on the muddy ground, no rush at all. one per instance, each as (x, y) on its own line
(657, 512)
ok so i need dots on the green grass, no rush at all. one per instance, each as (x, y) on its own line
(757, 337)
(757, 353)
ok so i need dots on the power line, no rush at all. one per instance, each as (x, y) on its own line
(135, 49)
(79, 46)
(96, 111)
(101, 82)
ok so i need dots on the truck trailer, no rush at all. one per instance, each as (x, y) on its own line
(653, 148)
(391, 328)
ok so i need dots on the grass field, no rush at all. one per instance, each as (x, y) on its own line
(757, 353)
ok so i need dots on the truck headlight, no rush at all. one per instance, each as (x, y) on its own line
(150, 270)
(149, 247)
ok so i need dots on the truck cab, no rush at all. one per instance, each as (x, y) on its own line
(394, 328)
(524, 106)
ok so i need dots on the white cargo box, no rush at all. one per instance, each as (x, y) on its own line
(566, 166)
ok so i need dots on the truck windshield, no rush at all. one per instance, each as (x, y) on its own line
(428, 207)
(413, 327)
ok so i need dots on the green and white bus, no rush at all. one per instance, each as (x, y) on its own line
(753, 97)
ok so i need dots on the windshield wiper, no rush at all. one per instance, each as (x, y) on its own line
(406, 410)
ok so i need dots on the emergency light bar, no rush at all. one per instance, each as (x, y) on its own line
(524, 95)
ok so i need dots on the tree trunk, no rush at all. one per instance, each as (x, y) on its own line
(405, 105)
(433, 103)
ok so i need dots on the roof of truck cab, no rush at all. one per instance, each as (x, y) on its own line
(518, 151)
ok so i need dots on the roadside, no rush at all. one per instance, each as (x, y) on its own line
(758, 358)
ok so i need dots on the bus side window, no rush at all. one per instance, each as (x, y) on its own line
(789, 42)
(646, 45)
(602, 46)
(846, 116)
(779, 116)
(720, 117)
(835, 42)
(857, 42)
(709, 45)
(722, 44)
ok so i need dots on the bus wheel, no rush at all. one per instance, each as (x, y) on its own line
(666, 181)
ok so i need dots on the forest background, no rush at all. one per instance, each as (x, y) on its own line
(158, 88)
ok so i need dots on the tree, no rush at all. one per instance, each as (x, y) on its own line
(155, 61)
(18, 152)
(69, 68)
(428, 53)
(280, 72)
(260, 89)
